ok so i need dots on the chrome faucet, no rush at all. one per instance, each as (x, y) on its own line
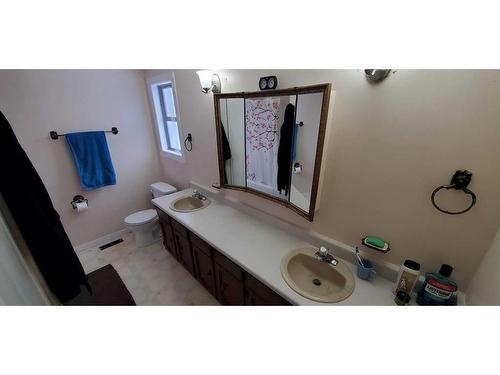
(324, 256)
(197, 194)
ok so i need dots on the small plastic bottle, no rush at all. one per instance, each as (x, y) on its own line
(407, 277)
(438, 289)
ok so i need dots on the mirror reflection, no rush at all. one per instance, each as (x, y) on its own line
(268, 143)
(233, 140)
(304, 149)
(269, 125)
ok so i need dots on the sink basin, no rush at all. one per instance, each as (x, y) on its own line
(189, 204)
(316, 280)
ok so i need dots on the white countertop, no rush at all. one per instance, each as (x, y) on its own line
(258, 247)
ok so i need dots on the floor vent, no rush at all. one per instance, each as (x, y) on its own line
(112, 243)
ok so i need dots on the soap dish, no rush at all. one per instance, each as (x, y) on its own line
(376, 244)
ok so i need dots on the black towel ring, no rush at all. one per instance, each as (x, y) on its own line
(459, 181)
(188, 141)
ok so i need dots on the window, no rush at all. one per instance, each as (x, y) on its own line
(169, 130)
(169, 116)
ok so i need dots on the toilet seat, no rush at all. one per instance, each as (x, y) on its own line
(141, 217)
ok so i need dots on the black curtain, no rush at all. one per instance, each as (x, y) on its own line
(38, 221)
(226, 150)
(285, 149)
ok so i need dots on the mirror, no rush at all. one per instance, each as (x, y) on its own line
(304, 154)
(268, 135)
(233, 140)
(270, 143)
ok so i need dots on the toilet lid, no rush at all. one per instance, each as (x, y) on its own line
(141, 217)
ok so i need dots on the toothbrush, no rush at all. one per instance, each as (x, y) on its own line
(359, 258)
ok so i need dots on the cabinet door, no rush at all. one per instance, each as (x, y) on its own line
(258, 294)
(168, 238)
(204, 266)
(166, 230)
(230, 290)
(184, 254)
(253, 299)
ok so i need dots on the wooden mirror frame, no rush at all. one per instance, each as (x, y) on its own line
(325, 89)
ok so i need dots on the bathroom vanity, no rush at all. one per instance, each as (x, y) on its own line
(237, 255)
(223, 278)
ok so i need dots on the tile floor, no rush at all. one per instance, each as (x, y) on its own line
(151, 274)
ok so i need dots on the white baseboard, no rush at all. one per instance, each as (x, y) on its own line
(101, 240)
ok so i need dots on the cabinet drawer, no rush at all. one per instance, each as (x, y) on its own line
(200, 244)
(260, 294)
(228, 265)
(181, 229)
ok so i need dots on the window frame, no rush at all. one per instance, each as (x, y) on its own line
(158, 110)
(167, 118)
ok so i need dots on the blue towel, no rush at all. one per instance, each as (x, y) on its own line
(92, 159)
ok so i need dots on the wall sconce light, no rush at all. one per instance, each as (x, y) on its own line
(376, 75)
(209, 81)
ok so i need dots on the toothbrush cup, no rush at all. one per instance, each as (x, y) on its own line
(366, 271)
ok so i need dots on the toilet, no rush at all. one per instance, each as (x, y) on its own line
(144, 224)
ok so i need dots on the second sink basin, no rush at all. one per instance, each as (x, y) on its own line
(314, 279)
(189, 204)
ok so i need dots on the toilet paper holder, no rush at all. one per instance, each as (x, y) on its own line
(78, 199)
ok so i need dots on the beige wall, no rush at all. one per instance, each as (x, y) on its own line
(483, 288)
(197, 117)
(36, 102)
(391, 145)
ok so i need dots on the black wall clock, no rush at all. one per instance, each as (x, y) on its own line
(268, 83)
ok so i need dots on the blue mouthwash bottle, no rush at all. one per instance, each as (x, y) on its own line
(438, 289)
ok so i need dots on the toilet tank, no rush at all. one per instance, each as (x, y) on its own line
(159, 189)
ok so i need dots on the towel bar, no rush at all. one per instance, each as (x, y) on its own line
(54, 135)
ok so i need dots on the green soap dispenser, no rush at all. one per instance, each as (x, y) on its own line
(438, 289)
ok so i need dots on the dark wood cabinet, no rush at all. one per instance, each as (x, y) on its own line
(179, 228)
(227, 281)
(168, 235)
(204, 263)
(184, 254)
(258, 294)
(204, 270)
(230, 291)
